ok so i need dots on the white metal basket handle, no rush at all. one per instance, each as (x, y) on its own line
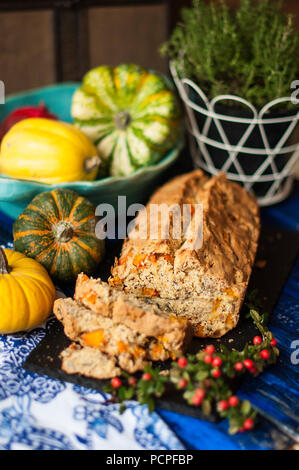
(281, 180)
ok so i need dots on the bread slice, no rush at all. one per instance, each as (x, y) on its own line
(131, 349)
(205, 284)
(95, 294)
(89, 362)
(138, 314)
(211, 317)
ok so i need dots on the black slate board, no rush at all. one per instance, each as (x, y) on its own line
(277, 247)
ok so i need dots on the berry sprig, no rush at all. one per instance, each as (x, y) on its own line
(205, 379)
(151, 385)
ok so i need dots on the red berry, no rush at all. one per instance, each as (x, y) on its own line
(207, 358)
(217, 361)
(196, 400)
(248, 424)
(238, 366)
(253, 370)
(273, 342)
(182, 362)
(216, 372)
(210, 349)
(265, 354)
(257, 340)
(182, 383)
(115, 382)
(132, 381)
(146, 376)
(248, 363)
(233, 400)
(241, 429)
(222, 405)
(200, 392)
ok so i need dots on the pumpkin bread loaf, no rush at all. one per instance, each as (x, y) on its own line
(204, 283)
(131, 349)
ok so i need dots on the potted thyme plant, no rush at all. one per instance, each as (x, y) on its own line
(238, 66)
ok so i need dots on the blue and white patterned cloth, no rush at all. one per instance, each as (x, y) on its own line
(37, 412)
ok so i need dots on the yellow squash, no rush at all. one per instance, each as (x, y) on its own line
(27, 293)
(48, 151)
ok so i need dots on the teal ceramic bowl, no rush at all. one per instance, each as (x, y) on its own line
(15, 194)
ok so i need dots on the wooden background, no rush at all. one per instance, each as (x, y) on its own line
(37, 45)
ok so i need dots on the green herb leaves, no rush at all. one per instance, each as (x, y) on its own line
(252, 53)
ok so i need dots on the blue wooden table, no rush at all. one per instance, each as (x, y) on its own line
(275, 393)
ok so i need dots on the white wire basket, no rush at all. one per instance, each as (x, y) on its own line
(241, 145)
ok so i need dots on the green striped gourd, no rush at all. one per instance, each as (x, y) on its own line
(131, 114)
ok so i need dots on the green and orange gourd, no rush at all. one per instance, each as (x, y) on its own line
(57, 229)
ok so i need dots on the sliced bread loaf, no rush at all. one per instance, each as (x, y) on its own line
(206, 284)
(131, 349)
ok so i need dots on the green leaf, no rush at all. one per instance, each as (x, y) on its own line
(245, 407)
(206, 407)
(160, 388)
(191, 357)
(224, 349)
(130, 392)
(122, 408)
(188, 394)
(233, 429)
(122, 391)
(150, 404)
(276, 351)
(201, 375)
(107, 388)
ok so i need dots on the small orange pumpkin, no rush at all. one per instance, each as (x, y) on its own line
(27, 293)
